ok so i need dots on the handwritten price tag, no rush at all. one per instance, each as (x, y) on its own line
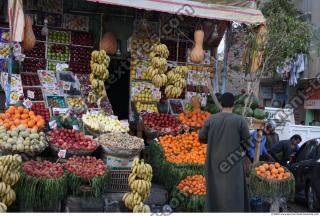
(66, 86)
(62, 153)
(27, 103)
(30, 94)
(53, 124)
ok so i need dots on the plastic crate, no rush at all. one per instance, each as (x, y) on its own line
(119, 180)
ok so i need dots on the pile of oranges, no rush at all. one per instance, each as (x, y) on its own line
(183, 148)
(272, 171)
(193, 184)
(194, 118)
(15, 116)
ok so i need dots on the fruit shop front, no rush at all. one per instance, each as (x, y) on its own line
(93, 68)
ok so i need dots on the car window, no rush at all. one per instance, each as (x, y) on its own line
(307, 151)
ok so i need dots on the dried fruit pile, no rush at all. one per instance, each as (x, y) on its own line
(272, 171)
(193, 184)
(183, 148)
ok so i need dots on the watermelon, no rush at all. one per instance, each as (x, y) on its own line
(212, 108)
(239, 110)
(243, 98)
(259, 114)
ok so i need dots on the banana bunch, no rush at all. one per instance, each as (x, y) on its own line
(100, 57)
(150, 72)
(159, 80)
(140, 183)
(173, 91)
(181, 83)
(141, 208)
(159, 63)
(131, 199)
(160, 50)
(9, 175)
(4, 189)
(182, 70)
(9, 198)
(3, 207)
(99, 74)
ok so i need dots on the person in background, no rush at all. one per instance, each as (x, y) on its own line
(312, 123)
(271, 135)
(224, 133)
(283, 151)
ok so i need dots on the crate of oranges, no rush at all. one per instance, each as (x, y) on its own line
(193, 190)
(271, 180)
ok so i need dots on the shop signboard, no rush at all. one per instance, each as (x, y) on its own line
(312, 104)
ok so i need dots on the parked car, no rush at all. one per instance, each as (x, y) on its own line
(305, 167)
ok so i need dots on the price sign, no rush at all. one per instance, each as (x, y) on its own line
(62, 153)
(75, 127)
(66, 86)
(27, 103)
(53, 124)
(30, 94)
(60, 110)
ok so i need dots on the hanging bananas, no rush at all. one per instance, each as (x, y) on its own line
(140, 183)
(99, 74)
(9, 175)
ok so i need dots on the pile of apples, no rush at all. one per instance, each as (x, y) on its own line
(162, 122)
(42, 169)
(85, 167)
(71, 139)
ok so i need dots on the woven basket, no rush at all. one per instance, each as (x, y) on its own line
(81, 152)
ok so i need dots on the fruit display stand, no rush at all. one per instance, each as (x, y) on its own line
(272, 190)
(189, 194)
(42, 187)
(170, 174)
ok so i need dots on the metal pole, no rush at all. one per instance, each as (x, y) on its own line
(225, 59)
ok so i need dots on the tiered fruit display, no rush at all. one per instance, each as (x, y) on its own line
(58, 52)
(29, 79)
(99, 74)
(10, 166)
(81, 38)
(80, 54)
(39, 108)
(59, 37)
(37, 94)
(42, 169)
(71, 140)
(33, 64)
(14, 116)
(56, 101)
(146, 106)
(176, 82)
(272, 171)
(183, 148)
(162, 122)
(77, 67)
(194, 118)
(76, 102)
(193, 184)
(145, 95)
(140, 183)
(22, 139)
(38, 51)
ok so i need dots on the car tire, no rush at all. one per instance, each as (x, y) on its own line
(312, 199)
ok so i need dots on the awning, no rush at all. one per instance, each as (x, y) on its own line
(195, 9)
(313, 101)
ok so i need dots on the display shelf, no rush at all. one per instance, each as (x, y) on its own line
(66, 44)
(76, 45)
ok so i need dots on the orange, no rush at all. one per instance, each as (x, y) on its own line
(2, 116)
(7, 125)
(16, 116)
(274, 171)
(12, 127)
(31, 113)
(11, 111)
(40, 124)
(24, 116)
(7, 116)
(31, 123)
(20, 108)
(25, 111)
(17, 122)
(17, 112)
(266, 165)
(281, 170)
(262, 169)
(277, 165)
